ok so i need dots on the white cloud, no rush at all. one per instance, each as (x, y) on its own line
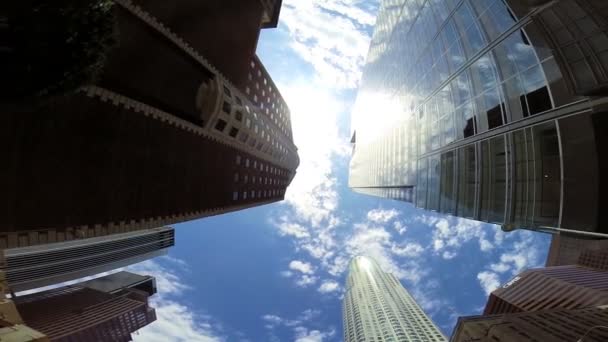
(449, 255)
(489, 281)
(301, 266)
(329, 286)
(410, 249)
(381, 215)
(399, 227)
(451, 233)
(304, 335)
(175, 321)
(337, 51)
(306, 280)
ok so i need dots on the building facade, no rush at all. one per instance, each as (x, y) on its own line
(486, 110)
(558, 287)
(41, 265)
(547, 325)
(566, 250)
(81, 313)
(167, 133)
(376, 307)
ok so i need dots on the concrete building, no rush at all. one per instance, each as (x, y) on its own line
(83, 313)
(547, 325)
(167, 133)
(492, 110)
(376, 307)
(558, 287)
(567, 250)
(47, 264)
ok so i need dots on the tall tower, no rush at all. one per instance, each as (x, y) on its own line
(377, 308)
(487, 110)
(177, 127)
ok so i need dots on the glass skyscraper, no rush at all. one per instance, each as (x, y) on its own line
(487, 109)
(377, 308)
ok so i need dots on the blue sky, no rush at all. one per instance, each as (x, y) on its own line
(276, 273)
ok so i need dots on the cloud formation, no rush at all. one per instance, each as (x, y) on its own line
(337, 52)
(176, 321)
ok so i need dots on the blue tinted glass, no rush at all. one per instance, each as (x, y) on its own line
(473, 41)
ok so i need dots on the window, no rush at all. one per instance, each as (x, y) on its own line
(226, 107)
(238, 115)
(493, 179)
(235, 195)
(238, 100)
(227, 91)
(246, 162)
(236, 177)
(447, 203)
(233, 132)
(238, 160)
(220, 125)
(467, 179)
(244, 195)
(243, 137)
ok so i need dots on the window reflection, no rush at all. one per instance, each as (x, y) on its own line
(447, 194)
(467, 181)
(493, 180)
(433, 183)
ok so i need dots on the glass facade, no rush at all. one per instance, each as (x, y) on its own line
(460, 103)
(376, 308)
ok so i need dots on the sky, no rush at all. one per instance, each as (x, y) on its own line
(277, 272)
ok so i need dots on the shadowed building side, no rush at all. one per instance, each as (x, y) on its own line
(162, 138)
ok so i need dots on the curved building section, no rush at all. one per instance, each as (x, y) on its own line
(477, 109)
(377, 308)
(163, 137)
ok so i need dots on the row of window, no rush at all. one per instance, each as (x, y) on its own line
(268, 99)
(262, 167)
(252, 194)
(259, 179)
(248, 128)
(513, 177)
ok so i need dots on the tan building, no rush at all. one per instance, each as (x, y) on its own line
(566, 250)
(84, 313)
(545, 325)
(558, 287)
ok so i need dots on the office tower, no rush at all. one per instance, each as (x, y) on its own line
(81, 313)
(560, 325)
(491, 110)
(47, 264)
(377, 308)
(566, 250)
(164, 136)
(558, 287)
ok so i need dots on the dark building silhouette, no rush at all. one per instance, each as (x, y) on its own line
(82, 313)
(167, 134)
(489, 110)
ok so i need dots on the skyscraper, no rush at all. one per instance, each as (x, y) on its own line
(377, 308)
(559, 303)
(559, 325)
(491, 110)
(82, 313)
(162, 137)
(47, 264)
(558, 287)
(566, 250)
